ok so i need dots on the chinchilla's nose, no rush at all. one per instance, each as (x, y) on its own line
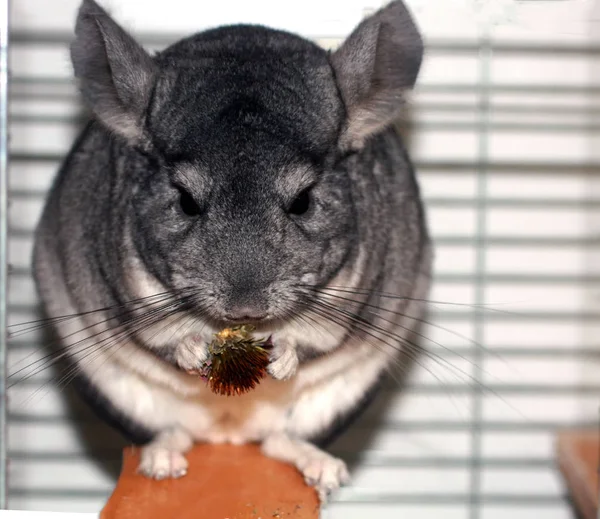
(245, 313)
(246, 288)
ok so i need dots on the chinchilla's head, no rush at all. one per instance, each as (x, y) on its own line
(238, 139)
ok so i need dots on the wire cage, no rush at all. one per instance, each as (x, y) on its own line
(504, 130)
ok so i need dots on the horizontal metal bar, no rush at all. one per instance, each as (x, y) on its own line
(63, 493)
(430, 202)
(27, 194)
(491, 241)
(393, 461)
(114, 456)
(451, 278)
(51, 81)
(549, 48)
(432, 499)
(499, 352)
(36, 157)
(533, 108)
(525, 279)
(489, 425)
(47, 119)
(521, 241)
(416, 499)
(417, 105)
(415, 125)
(107, 455)
(505, 389)
(512, 166)
(447, 166)
(490, 278)
(407, 425)
(446, 88)
(549, 89)
(515, 203)
(554, 353)
(493, 126)
(491, 313)
(451, 389)
(43, 96)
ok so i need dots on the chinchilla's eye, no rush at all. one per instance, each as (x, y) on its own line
(301, 203)
(187, 204)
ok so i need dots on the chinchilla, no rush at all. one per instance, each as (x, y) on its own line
(244, 174)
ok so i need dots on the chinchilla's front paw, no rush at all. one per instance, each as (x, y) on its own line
(283, 359)
(320, 470)
(192, 352)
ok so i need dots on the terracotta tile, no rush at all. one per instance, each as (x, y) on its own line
(579, 461)
(223, 482)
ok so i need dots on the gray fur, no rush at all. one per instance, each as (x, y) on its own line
(241, 119)
(375, 66)
(115, 73)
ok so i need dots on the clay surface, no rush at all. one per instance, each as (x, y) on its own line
(223, 482)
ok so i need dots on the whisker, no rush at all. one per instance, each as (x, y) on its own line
(387, 295)
(414, 356)
(414, 347)
(193, 319)
(409, 353)
(116, 339)
(359, 319)
(98, 348)
(436, 358)
(118, 344)
(395, 323)
(296, 318)
(422, 321)
(52, 357)
(49, 321)
(313, 323)
(61, 339)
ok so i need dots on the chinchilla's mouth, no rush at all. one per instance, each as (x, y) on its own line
(266, 325)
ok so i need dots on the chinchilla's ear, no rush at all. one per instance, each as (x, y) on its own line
(374, 68)
(115, 74)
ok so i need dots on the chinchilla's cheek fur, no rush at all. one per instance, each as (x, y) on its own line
(241, 174)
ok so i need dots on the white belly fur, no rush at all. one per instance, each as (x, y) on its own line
(302, 406)
(158, 396)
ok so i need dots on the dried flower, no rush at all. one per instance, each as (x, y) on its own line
(237, 362)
